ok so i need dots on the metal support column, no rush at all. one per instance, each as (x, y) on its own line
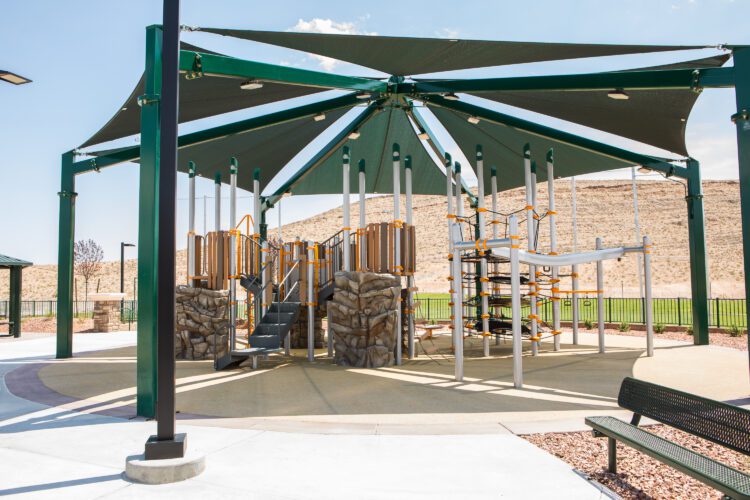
(310, 303)
(191, 225)
(14, 302)
(233, 167)
(398, 268)
(451, 216)
(574, 267)
(495, 222)
(346, 207)
(148, 237)
(409, 276)
(530, 247)
(483, 274)
(698, 255)
(362, 216)
(458, 320)
(515, 300)
(647, 293)
(555, 280)
(66, 238)
(600, 297)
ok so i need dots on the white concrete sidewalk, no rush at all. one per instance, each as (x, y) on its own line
(57, 453)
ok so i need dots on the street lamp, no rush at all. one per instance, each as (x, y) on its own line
(122, 273)
(13, 78)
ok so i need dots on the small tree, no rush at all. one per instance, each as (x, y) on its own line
(87, 258)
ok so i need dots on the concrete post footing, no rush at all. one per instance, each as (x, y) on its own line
(170, 470)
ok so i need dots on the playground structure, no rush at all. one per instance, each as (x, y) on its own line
(629, 103)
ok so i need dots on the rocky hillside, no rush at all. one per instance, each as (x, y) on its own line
(604, 209)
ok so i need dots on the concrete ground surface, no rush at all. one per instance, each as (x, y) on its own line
(295, 430)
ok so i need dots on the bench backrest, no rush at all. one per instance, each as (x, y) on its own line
(715, 421)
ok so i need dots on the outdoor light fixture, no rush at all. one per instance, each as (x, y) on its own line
(354, 135)
(251, 85)
(13, 78)
(364, 95)
(319, 117)
(451, 96)
(423, 135)
(618, 94)
(473, 120)
(644, 170)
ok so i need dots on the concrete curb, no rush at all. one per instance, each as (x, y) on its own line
(171, 470)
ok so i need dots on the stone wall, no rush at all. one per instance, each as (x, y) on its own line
(202, 321)
(363, 315)
(107, 315)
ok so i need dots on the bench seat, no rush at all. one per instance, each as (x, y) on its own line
(729, 481)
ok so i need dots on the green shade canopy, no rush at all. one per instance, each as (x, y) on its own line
(404, 56)
(7, 262)
(655, 117)
(375, 144)
(199, 98)
(503, 148)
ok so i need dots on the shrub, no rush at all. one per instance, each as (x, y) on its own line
(734, 331)
(689, 330)
(624, 327)
(659, 328)
(588, 324)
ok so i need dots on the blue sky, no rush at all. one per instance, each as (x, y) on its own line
(85, 57)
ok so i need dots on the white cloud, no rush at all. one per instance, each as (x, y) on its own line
(317, 25)
(447, 33)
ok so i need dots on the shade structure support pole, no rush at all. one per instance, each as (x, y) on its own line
(397, 223)
(217, 202)
(148, 235)
(191, 224)
(483, 272)
(166, 444)
(458, 283)
(742, 122)
(637, 226)
(310, 303)
(495, 223)
(347, 209)
(362, 216)
(67, 194)
(552, 214)
(530, 247)
(257, 215)
(458, 321)
(233, 167)
(600, 297)
(647, 292)
(698, 254)
(410, 275)
(574, 267)
(14, 302)
(515, 301)
(451, 216)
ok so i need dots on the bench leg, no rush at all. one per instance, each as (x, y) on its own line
(612, 455)
(255, 362)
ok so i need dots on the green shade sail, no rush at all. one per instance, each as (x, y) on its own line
(7, 262)
(199, 98)
(377, 136)
(404, 56)
(503, 148)
(655, 117)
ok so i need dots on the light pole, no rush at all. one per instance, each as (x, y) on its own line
(122, 273)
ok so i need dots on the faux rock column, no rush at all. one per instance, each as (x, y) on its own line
(363, 315)
(202, 323)
(107, 311)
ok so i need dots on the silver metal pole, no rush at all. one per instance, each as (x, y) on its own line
(600, 296)
(256, 203)
(205, 214)
(409, 276)
(483, 279)
(278, 214)
(495, 223)
(232, 252)
(362, 216)
(458, 326)
(649, 303)
(217, 202)
(191, 223)
(347, 222)
(637, 227)
(555, 280)
(515, 300)
(451, 216)
(574, 268)
(530, 247)
(310, 303)
(458, 283)
(398, 268)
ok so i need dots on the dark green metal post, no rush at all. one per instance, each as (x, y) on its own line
(697, 240)
(263, 223)
(742, 121)
(14, 305)
(148, 240)
(65, 258)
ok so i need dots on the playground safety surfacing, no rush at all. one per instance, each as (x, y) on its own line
(420, 397)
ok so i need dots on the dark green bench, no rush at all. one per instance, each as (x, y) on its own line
(721, 423)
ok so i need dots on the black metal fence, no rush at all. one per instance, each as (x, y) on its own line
(723, 313)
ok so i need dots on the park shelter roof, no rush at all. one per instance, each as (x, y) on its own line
(503, 148)
(199, 98)
(377, 135)
(7, 262)
(655, 117)
(404, 56)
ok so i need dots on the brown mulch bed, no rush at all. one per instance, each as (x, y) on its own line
(639, 476)
(49, 325)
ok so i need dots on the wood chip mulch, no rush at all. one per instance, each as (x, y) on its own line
(639, 476)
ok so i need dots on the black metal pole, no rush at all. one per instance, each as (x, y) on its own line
(166, 444)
